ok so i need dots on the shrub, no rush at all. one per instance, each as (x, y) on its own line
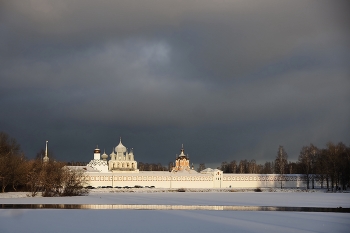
(54, 179)
(73, 183)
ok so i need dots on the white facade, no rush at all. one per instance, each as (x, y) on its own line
(122, 161)
(216, 179)
(121, 170)
(182, 162)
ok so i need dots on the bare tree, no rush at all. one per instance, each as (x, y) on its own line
(5, 171)
(280, 163)
(52, 178)
(34, 176)
(9, 157)
(20, 170)
(339, 164)
(267, 168)
(233, 166)
(252, 166)
(224, 167)
(243, 166)
(55, 179)
(201, 167)
(314, 154)
(322, 167)
(308, 162)
(305, 163)
(343, 168)
(73, 182)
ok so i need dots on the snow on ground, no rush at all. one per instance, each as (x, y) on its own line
(47, 220)
(153, 197)
(103, 221)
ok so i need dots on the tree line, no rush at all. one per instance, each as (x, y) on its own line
(53, 178)
(151, 167)
(329, 165)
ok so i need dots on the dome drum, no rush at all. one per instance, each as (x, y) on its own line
(97, 150)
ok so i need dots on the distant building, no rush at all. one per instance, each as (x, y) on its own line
(46, 158)
(122, 161)
(182, 162)
(121, 170)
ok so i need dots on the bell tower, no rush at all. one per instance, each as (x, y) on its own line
(46, 158)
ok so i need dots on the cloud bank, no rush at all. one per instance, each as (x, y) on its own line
(229, 79)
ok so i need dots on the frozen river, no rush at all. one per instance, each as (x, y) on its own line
(57, 220)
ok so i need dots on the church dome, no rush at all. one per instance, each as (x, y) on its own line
(97, 150)
(120, 147)
(104, 156)
(112, 154)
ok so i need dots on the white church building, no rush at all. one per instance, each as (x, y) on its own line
(121, 171)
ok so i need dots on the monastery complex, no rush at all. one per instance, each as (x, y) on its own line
(121, 171)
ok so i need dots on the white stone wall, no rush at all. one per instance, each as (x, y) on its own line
(263, 181)
(157, 179)
(268, 180)
(209, 180)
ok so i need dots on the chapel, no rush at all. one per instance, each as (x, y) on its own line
(182, 162)
(122, 159)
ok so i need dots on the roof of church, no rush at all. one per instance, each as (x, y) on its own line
(120, 147)
(184, 171)
(182, 152)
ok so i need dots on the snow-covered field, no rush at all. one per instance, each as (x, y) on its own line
(47, 220)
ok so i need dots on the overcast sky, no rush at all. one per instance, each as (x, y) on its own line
(229, 79)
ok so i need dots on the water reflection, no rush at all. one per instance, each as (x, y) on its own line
(173, 207)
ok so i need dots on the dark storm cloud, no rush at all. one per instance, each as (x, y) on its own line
(230, 79)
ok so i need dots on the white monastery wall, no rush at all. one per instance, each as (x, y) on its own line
(157, 179)
(171, 180)
(121, 170)
(264, 181)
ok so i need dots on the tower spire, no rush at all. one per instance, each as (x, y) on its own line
(46, 158)
(182, 149)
